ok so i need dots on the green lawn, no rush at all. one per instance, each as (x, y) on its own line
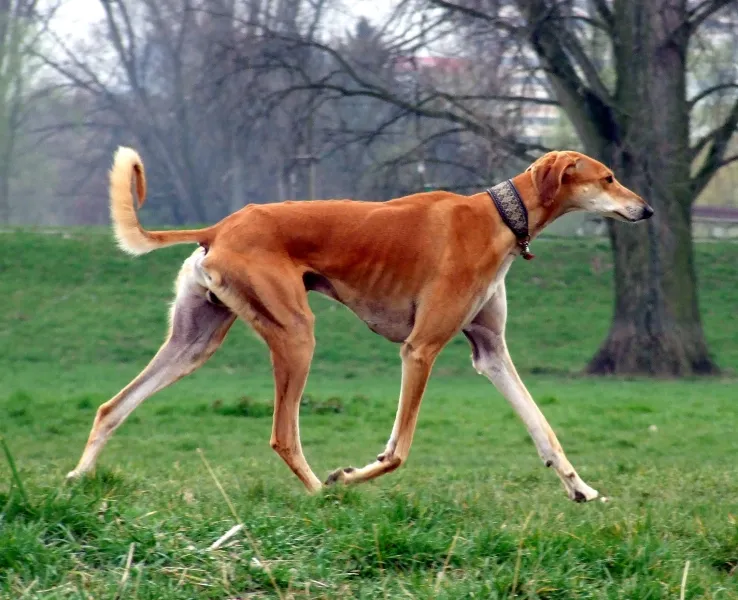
(473, 514)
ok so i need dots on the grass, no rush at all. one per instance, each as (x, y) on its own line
(473, 514)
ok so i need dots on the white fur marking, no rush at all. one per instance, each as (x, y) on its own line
(491, 289)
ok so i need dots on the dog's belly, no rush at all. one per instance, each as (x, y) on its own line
(393, 323)
(392, 320)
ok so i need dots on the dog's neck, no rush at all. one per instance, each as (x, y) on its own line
(513, 212)
(518, 203)
(539, 216)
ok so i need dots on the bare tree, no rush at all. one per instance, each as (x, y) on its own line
(20, 28)
(165, 80)
(640, 124)
(147, 83)
(223, 115)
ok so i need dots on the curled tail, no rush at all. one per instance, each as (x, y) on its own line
(132, 238)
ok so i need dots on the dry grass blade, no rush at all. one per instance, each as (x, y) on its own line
(238, 520)
(683, 589)
(29, 588)
(126, 571)
(442, 574)
(519, 557)
(226, 536)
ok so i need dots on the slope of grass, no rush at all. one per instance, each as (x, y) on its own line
(472, 514)
(98, 305)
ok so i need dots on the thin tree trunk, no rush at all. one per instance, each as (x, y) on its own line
(4, 195)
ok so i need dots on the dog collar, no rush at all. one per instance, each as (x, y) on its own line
(513, 213)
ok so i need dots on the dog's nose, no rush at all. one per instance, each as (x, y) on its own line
(647, 212)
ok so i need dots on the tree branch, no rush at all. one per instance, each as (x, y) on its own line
(703, 11)
(719, 140)
(604, 11)
(589, 107)
(588, 68)
(515, 147)
(126, 55)
(709, 91)
(373, 89)
(476, 14)
(726, 161)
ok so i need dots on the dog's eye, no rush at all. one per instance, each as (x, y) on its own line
(609, 179)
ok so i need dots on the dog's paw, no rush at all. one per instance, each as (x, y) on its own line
(583, 493)
(73, 476)
(76, 475)
(339, 476)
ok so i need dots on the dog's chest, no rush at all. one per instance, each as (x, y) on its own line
(490, 289)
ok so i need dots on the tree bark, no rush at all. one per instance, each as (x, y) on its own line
(6, 161)
(656, 328)
(4, 195)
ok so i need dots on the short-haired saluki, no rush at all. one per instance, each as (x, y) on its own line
(417, 270)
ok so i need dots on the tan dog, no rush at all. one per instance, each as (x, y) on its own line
(417, 270)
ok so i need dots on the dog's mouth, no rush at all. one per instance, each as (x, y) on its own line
(628, 215)
(620, 216)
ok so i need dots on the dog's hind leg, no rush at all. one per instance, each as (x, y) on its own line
(268, 293)
(198, 327)
(291, 355)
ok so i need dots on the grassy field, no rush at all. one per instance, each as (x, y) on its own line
(473, 514)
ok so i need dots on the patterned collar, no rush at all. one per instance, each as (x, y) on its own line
(513, 213)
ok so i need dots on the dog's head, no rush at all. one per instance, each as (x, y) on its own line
(567, 181)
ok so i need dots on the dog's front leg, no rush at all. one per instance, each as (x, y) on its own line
(417, 362)
(491, 358)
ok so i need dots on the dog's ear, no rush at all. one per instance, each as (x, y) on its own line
(548, 172)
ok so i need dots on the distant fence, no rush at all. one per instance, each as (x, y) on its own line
(708, 223)
(715, 222)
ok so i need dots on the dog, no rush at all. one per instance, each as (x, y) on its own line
(417, 270)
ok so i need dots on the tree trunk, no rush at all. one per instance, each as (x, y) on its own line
(656, 328)
(6, 162)
(4, 198)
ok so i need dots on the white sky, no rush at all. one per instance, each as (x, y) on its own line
(74, 17)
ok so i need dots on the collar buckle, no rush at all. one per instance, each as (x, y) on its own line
(525, 248)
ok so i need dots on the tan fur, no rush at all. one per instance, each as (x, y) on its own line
(416, 270)
(132, 238)
(547, 175)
